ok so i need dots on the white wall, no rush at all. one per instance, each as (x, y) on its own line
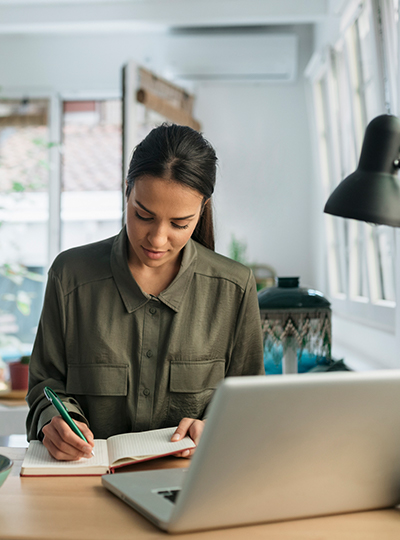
(261, 135)
(260, 131)
(69, 63)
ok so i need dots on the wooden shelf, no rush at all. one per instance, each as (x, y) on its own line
(13, 394)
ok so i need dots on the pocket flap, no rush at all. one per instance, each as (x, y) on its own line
(194, 377)
(97, 379)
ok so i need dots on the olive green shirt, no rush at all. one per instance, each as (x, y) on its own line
(122, 360)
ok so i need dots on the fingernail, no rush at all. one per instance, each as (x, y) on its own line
(175, 437)
(185, 453)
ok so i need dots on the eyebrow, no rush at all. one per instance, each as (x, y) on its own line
(153, 214)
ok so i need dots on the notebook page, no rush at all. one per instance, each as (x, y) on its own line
(145, 443)
(38, 457)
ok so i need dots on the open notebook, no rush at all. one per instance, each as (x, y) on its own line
(110, 454)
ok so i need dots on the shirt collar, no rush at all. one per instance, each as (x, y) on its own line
(132, 295)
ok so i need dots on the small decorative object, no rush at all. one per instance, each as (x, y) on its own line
(297, 327)
(19, 373)
(5, 468)
(265, 275)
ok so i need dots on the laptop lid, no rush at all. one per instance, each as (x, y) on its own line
(288, 447)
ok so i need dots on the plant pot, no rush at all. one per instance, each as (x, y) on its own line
(19, 375)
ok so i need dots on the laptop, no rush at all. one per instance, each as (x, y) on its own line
(279, 448)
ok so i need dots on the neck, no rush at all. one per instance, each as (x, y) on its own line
(154, 280)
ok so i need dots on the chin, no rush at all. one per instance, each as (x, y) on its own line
(151, 263)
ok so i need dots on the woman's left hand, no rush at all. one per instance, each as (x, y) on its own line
(191, 427)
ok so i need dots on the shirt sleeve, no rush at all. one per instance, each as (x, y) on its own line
(48, 365)
(247, 357)
(247, 351)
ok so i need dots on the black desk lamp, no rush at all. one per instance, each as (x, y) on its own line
(372, 192)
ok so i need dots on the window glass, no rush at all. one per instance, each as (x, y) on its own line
(386, 262)
(322, 135)
(333, 257)
(387, 23)
(369, 82)
(356, 270)
(356, 87)
(24, 214)
(358, 285)
(341, 99)
(91, 196)
(383, 237)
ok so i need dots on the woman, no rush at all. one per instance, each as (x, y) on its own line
(137, 330)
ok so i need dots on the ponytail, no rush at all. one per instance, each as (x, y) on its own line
(204, 231)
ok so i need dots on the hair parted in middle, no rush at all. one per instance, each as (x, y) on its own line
(183, 155)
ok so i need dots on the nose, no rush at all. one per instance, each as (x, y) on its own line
(157, 236)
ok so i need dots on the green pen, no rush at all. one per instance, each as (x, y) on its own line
(59, 405)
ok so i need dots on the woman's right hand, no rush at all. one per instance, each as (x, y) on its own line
(63, 444)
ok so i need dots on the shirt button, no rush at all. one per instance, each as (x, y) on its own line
(153, 310)
(149, 354)
(146, 392)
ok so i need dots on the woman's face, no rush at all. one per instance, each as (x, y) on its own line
(161, 217)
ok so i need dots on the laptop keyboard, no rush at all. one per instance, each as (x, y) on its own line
(170, 494)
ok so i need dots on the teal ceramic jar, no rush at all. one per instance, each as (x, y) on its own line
(297, 327)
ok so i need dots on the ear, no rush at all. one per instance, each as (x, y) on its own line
(126, 188)
(205, 202)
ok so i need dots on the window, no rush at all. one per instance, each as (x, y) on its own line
(48, 204)
(353, 86)
(91, 188)
(24, 216)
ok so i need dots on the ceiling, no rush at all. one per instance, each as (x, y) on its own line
(105, 16)
(252, 40)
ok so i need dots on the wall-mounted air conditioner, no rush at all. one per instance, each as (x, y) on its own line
(241, 57)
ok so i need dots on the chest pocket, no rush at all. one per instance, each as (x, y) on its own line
(191, 386)
(101, 390)
(97, 379)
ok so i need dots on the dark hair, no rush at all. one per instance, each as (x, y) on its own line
(181, 154)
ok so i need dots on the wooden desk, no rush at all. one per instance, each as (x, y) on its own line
(81, 509)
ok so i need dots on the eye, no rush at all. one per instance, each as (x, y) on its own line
(181, 227)
(142, 217)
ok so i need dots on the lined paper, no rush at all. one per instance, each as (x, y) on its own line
(38, 457)
(145, 443)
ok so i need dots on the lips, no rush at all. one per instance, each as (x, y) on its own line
(155, 255)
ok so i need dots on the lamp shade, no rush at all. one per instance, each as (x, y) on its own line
(372, 192)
